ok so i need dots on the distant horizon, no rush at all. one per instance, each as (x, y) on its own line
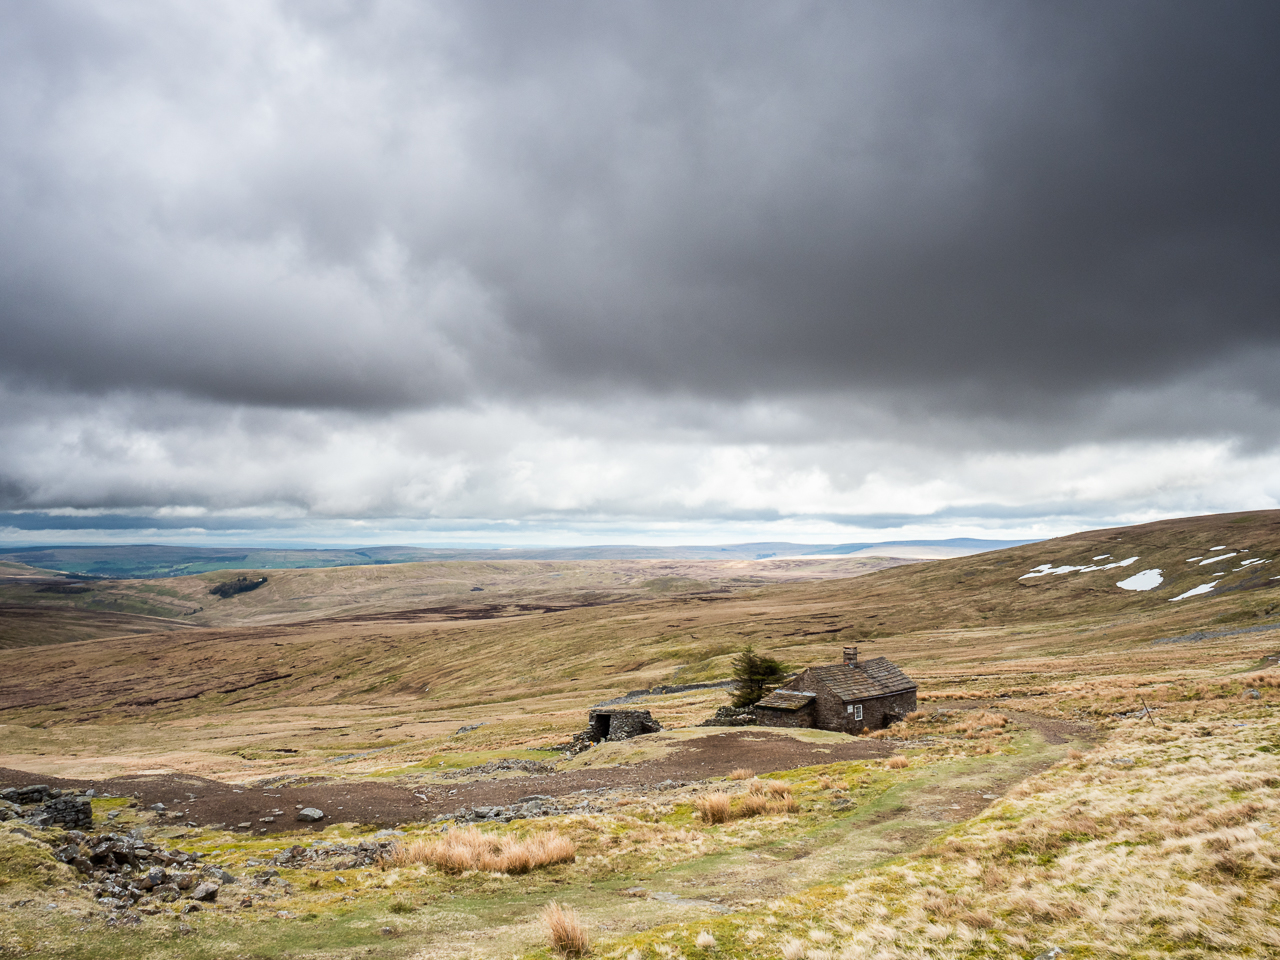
(228, 530)
(19, 546)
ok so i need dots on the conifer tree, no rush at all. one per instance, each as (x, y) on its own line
(756, 676)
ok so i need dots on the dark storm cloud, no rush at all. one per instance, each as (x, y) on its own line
(374, 205)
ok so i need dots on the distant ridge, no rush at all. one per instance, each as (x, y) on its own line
(154, 560)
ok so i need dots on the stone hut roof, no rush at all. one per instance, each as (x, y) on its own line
(878, 677)
(786, 700)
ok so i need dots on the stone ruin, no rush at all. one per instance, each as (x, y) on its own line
(610, 725)
(731, 717)
(43, 806)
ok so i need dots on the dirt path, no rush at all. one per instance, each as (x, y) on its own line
(190, 799)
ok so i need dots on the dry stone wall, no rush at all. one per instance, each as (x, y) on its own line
(44, 806)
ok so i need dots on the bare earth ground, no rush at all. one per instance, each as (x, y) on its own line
(388, 804)
(205, 802)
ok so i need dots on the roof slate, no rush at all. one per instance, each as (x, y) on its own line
(878, 677)
(786, 700)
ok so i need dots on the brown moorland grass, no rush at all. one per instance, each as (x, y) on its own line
(565, 930)
(1158, 842)
(713, 807)
(1074, 642)
(1097, 853)
(468, 848)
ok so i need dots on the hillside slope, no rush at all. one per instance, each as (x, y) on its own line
(36, 606)
(975, 623)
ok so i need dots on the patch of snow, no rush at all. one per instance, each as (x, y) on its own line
(1189, 559)
(1048, 568)
(1103, 557)
(1223, 547)
(1196, 591)
(1248, 562)
(1221, 556)
(1146, 580)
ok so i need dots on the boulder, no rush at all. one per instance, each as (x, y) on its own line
(206, 892)
(310, 815)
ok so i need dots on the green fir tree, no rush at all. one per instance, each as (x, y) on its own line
(756, 676)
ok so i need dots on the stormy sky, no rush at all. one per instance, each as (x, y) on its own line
(561, 272)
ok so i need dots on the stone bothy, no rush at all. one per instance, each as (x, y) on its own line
(849, 697)
(620, 724)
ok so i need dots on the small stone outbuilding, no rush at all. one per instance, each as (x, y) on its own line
(848, 697)
(611, 725)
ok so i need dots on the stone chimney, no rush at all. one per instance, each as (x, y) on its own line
(850, 656)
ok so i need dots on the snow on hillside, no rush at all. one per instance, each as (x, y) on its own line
(1146, 580)
(1150, 579)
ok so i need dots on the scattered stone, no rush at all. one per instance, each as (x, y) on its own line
(731, 717)
(207, 892)
(158, 807)
(310, 815)
(498, 766)
(191, 908)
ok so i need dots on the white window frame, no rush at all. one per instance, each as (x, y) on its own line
(857, 711)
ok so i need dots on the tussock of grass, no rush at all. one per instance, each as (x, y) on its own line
(713, 807)
(565, 931)
(897, 763)
(470, 849)
(762, 797)
(776, 788)
(742, 773)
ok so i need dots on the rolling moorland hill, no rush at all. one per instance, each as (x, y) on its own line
(1096, 764)
(993, 622)
(43, 606)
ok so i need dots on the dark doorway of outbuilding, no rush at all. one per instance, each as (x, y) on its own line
(600, 726)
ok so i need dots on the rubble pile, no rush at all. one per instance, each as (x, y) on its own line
(127, 871)
(44, 806)
(334, 855)
(523, 809)
(497, 766)
(581, 742)
(542, 806)
(731, 717)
